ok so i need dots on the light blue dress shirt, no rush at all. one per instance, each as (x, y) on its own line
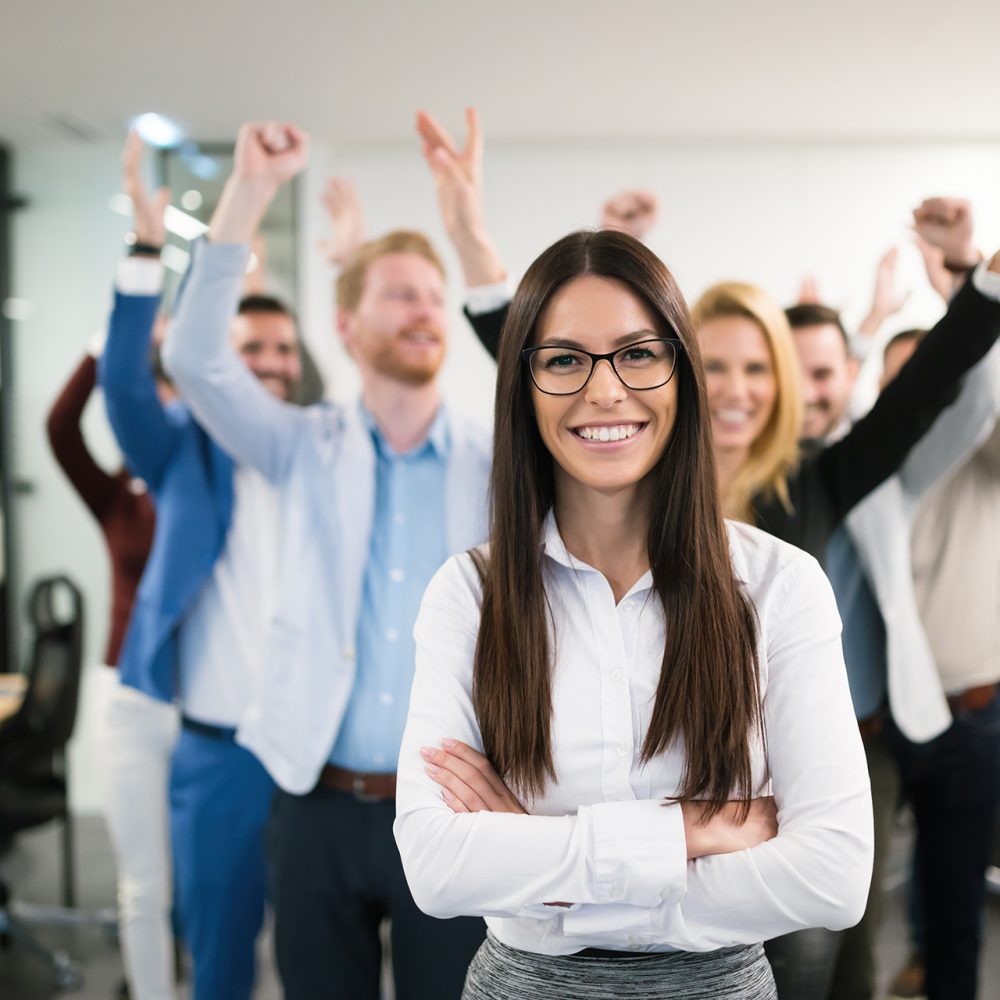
(864, 630)
(408, 545)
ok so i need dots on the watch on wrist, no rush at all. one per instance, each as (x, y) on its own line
(138, 249)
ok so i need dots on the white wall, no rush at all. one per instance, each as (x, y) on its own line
(762, 213)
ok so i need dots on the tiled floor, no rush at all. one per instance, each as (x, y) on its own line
(32, 869)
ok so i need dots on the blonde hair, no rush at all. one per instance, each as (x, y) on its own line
(774, 454)
(351, 281)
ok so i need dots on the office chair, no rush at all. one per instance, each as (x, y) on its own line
(33, 773)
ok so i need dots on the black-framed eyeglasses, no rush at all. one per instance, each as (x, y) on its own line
(561, 371)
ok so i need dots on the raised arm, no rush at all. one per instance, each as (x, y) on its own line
(887, 300)
(225, 397)
(878, 444)
(140, 424)
(93, 484)
(342, 203)
(458, 182)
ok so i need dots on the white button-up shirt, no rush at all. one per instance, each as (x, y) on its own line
(601, 836)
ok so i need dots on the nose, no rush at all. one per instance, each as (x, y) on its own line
(731, 386)
(605, 388)
(810, 390)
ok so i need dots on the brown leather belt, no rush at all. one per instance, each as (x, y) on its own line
(972, 699)
(365, 787)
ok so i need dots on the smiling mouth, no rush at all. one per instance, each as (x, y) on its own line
(421, 337)
(732, 417)
(608, 432)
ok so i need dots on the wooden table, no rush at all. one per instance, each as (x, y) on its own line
(12, 687)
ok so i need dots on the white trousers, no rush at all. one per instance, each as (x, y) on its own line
(136, 743)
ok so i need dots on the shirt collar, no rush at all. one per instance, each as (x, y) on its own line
(555, 548)
(438, 438)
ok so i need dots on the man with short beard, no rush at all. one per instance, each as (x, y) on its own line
(374, 497)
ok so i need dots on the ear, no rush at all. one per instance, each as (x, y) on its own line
(853, 367)
(344, 327)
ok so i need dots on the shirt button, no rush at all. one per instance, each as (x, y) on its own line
(622, 750)
(391, 634)
(347, 652)
(616, 674)
(386, 698)
(396, 575)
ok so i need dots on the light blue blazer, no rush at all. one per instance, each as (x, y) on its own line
(321, 460)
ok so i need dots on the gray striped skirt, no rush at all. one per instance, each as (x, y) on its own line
(501, 973)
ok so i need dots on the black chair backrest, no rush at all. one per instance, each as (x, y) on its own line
(45, 721)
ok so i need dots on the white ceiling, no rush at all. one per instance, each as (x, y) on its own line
(354, 72)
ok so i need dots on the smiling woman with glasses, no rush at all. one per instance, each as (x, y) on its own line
(639, 701)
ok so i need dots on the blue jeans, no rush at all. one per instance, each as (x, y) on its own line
(953, 783)
(220, 795)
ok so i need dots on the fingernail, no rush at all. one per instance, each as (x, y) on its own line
(428, 751)
(445, 794)
(431, 769)
(449, 743)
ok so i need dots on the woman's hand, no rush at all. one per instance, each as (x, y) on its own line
(724, 833)
(467, 779)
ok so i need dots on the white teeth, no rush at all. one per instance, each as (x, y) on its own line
(617, 433)
(732, 416)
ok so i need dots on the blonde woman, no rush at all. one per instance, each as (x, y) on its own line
(801, 494)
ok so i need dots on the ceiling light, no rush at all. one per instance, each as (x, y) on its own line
(157, 130)
(192, 200)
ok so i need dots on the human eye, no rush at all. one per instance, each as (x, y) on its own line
(637, 354)
(560, 360)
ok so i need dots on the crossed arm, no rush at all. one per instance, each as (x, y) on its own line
(624, 866)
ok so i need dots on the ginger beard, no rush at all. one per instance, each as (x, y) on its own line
(414, 356)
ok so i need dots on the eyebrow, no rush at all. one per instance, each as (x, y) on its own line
(624, 339)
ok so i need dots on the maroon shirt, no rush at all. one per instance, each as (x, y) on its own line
(126, 517)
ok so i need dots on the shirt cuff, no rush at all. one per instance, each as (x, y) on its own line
(139, 276)
(860, 347)
(487, 298)
(987, 282)
(653, 870)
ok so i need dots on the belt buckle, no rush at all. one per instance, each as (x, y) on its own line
(360, 795)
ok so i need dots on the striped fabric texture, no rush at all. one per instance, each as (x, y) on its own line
(502, 973)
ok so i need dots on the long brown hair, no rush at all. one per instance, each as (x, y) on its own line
(708, 693)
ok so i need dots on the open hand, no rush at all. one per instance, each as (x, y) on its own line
(468, 780)
(342, 203)
(458, 174)
(887, 301)
(147, 211)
